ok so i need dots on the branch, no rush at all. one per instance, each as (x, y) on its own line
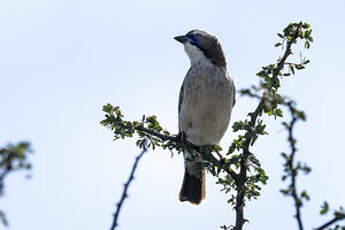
(206, 156)
(329, 223)
(159, 135)
(241, 189)
(292, 167)
(240, 183)
(3, 218)
(126, 185)
(3, 174)
(149, 129)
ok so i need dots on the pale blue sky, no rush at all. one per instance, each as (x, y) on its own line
(60, 61)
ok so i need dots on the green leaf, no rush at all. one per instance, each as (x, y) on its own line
(217, 148)
(279, 112)
(307, 45)
(299, 66)
(280, 35)
(306, 25)
(324, 208)
(306, 62)
(305, 195)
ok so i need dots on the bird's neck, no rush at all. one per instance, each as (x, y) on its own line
(197, 57)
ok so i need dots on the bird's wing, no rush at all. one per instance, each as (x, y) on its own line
(233, 92)
(180, 99)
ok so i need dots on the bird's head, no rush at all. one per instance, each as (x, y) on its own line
(199, 44)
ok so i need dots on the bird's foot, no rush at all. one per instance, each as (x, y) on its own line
(183, 138)
(221, 160)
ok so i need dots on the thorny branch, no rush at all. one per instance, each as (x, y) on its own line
(126, 186)
(292, 168)
(240, 220)
(240, 182)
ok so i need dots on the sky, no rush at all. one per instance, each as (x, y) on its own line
(61, 61)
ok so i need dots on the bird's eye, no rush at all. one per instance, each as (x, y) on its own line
(193, 40)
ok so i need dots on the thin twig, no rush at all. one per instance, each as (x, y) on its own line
(126, 185)
(335, 219)
(2, 179)
(329, 223)
(292, 167)
(293, 171)
(7, 169)
(156, 134)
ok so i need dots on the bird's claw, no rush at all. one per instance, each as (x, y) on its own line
(182, 137)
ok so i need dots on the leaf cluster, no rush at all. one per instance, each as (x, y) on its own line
(12, 158)
(147, 130)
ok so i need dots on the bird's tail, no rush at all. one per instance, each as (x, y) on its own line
(193, 186)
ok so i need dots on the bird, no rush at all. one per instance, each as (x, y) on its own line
(205, 102)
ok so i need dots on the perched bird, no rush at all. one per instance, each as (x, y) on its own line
(205, 102)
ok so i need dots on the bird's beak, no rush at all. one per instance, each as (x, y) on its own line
(183, 39)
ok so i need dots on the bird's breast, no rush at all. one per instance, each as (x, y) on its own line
(206, 106)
